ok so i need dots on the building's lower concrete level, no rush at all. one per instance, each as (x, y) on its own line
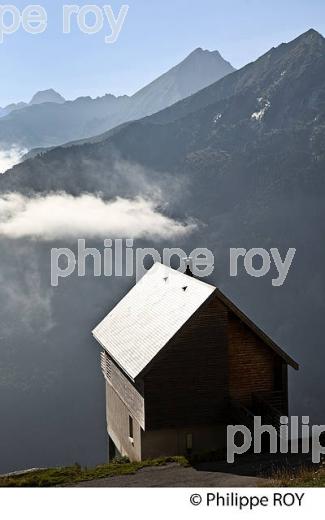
(138, 444)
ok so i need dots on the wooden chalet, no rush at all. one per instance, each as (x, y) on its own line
(180, 363)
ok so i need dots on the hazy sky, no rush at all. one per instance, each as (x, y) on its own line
(156, 35)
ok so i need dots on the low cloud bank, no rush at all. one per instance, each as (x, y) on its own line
(60, 215)
(8, 158)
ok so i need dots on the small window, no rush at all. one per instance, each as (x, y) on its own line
(130, 428)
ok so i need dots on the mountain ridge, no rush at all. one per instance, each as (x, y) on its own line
(49, 124)
(42, 96)
(275, 61)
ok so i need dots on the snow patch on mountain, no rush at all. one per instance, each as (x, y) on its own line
(258, 116)
(216, 118)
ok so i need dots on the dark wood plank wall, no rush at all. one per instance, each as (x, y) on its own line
(188, 382)
(214, 358)
(252, 364)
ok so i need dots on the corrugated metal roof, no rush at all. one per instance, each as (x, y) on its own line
(145, 320)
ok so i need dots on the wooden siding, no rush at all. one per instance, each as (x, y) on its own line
(214, 359)
(125, 389)
(252, 364)
(187, 382)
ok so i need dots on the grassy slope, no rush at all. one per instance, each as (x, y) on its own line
(65, 476)
(71, 475)
(303, 477)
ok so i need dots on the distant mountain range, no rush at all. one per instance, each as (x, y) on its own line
(228, 132)
(44, 96)
(48, 120)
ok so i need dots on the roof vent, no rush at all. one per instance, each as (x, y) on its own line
(185, 288)
(166, 279)
(188, 262)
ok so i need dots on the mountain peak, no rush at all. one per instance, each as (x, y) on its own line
(47, 96)
(203, 59)
(310, 37)
(312, 33)
(199, 52)
(198, 70)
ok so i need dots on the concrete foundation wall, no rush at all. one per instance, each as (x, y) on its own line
(117, 415)
(156, 443)
(169, 442)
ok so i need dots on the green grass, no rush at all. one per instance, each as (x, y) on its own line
(66, 476)
(303, 477)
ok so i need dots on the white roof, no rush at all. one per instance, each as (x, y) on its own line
(152, 312)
